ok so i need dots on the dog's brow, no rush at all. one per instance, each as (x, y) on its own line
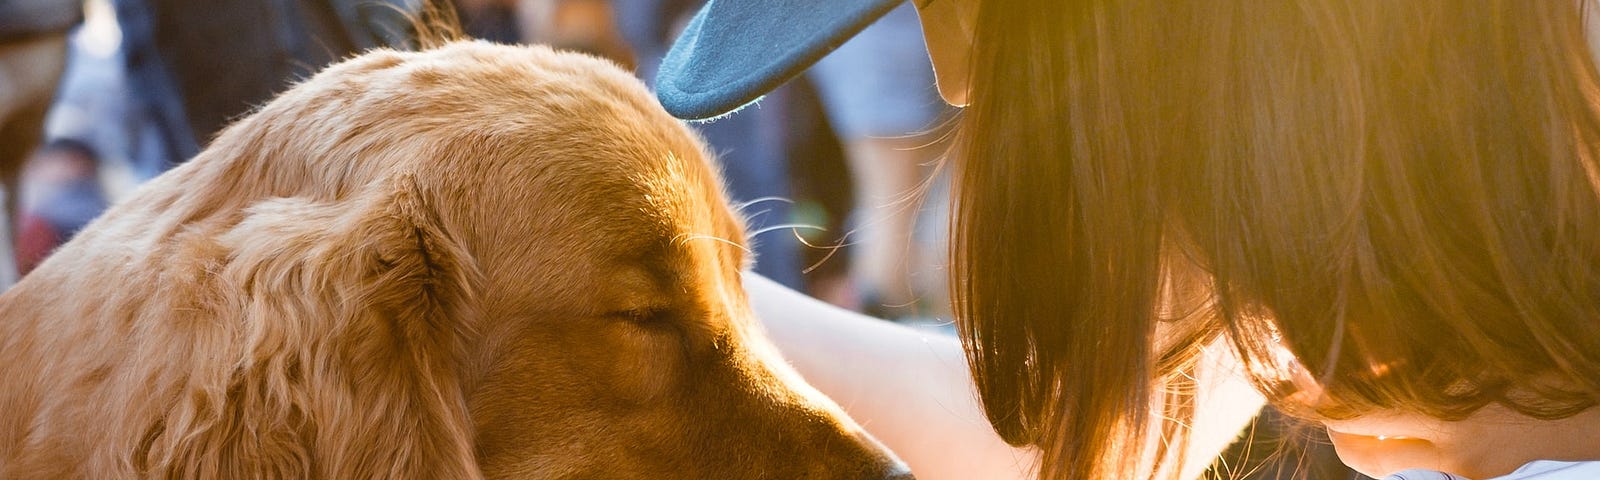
(636, 289)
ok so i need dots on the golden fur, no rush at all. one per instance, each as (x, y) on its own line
(477, 261)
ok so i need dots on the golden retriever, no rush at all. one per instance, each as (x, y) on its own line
(477, 261)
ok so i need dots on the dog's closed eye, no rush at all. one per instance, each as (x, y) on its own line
(644, 316)
(650, 351)
(656, 325)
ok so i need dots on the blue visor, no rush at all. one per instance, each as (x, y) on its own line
(735, 51)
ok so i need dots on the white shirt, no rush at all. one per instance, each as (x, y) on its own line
(1535, 470)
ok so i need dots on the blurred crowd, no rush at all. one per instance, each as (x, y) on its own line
(836, 172)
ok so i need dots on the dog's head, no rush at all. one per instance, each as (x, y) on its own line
(475, 258)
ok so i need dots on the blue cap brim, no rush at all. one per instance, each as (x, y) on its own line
(734, 51)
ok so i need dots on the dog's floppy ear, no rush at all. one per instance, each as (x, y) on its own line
(354, 316)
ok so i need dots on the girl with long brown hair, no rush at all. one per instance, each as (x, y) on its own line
(1387, 212)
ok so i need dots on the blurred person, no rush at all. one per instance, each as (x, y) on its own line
(492, 20)
(587, 26)
(62, 195)
(33, 53)
(579, 25)
(186, 68)
(1382, 215)
(195, 65)
(92, 105)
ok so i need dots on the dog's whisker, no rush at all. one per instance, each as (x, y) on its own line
(841, 243)
(832, 249)
(794, 229)
(752, 216)
(685, 238)
(741, 206)
(794, 226)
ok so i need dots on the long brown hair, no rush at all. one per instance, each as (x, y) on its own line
(1401, 193)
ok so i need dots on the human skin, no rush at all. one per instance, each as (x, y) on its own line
(913, 392)
(1493, 441)
(947, 28)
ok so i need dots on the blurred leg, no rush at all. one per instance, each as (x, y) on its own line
(888, 173)
(879, 92)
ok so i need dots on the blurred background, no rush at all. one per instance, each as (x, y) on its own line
(835, 171)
